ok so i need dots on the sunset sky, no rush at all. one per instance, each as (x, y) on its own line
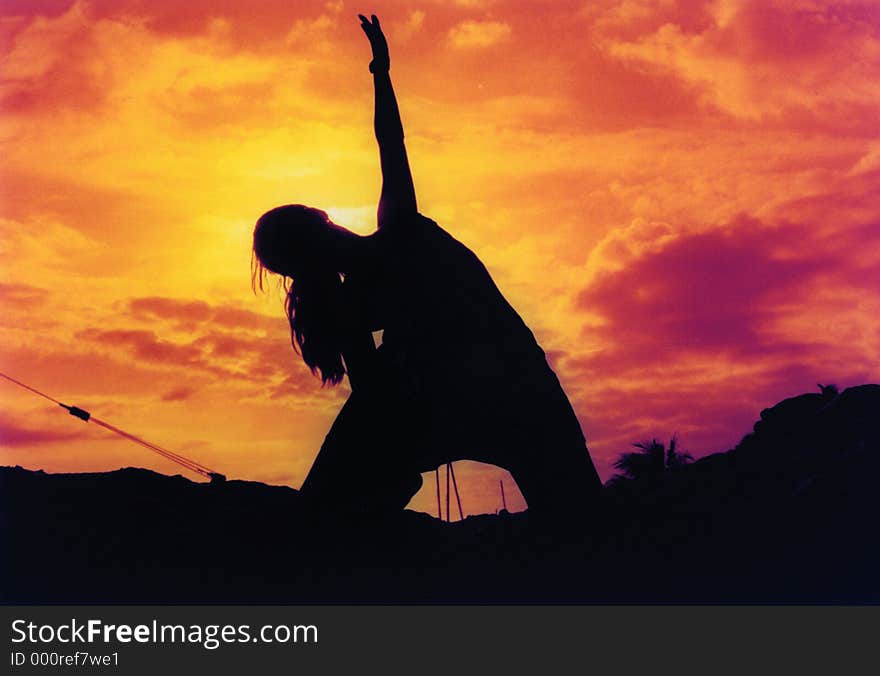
(681, 198)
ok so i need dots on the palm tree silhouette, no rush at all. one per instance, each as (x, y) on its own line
(651, 462)
(828, 391)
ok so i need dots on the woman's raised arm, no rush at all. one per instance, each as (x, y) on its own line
(398, 199)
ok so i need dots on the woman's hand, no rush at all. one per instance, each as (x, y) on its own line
(381, 60)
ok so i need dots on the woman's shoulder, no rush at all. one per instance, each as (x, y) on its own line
(408, 240)
(408, 224)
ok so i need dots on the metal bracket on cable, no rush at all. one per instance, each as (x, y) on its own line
(77, 412)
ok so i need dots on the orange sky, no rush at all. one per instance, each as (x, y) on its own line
(681, 199)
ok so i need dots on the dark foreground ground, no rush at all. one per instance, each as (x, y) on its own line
(789, 515)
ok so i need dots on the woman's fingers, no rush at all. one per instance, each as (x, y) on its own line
(373, 30)
(372, 22)
(370, 28)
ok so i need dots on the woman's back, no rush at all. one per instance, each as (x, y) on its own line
(439, 307)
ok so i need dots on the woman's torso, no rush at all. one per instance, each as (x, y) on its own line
(451, 338)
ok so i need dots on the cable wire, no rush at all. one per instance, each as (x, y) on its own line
(85, 416)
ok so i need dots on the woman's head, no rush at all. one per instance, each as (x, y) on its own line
(298, 243)
(292, 238)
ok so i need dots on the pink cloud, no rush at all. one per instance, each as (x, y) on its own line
(145, 345)
(190, 314)
(170, 308)
(722, 291)
(759, 59)
(222, 355)
(22, 296)
(702, 331)
(15, 435)
(178, 394)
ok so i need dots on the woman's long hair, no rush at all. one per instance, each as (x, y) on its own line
(312, 298)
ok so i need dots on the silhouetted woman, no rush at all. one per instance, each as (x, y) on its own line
(458, 374)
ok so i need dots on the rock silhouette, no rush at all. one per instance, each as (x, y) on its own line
(786, 516)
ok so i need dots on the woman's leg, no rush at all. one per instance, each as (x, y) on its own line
(364, 465)
(557, 478)
(544, 450)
